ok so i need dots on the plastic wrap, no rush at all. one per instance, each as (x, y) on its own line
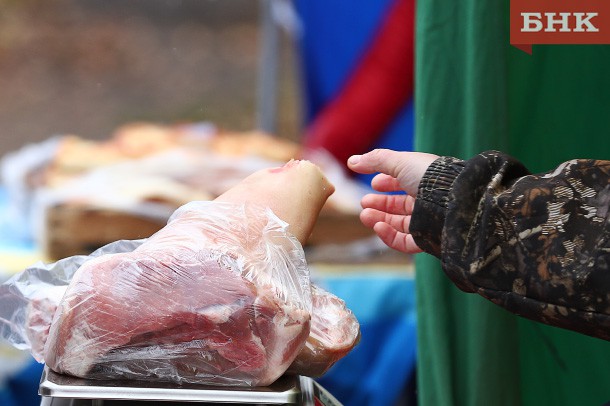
(29, 299)
(334, 332)
(221, 295)
(19, 171)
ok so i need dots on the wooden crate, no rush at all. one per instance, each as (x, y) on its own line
(73, 229)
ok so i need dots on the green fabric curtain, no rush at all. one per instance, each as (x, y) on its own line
(475, 92)
(559, 109)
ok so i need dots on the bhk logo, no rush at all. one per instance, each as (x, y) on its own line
(559, 22)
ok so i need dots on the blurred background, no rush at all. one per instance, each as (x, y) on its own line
(87, 66)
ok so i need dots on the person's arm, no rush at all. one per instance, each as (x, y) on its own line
(537, 245)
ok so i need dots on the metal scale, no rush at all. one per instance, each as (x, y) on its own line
(62, 390)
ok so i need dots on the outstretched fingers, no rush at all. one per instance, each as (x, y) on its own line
(370, 217)
(392, 204)
(395, 239)
(385, 183)
(390, 217)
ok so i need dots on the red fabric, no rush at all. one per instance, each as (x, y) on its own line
(378, 88)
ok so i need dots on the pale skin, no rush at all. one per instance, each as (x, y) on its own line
(389, 215)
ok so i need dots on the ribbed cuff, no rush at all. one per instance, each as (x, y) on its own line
(431, 204)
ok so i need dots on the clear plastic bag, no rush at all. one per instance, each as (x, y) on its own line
(221, 295)
(29, 299)
(334, 333)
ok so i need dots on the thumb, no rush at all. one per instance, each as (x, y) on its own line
(378, 160)
(406, 167)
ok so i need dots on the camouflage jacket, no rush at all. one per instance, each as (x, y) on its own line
(537, 245)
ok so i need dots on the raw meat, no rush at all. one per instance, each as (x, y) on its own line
(334, 332)
(221, 295)
(295, 192)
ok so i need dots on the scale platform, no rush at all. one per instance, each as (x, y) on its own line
(62, 390)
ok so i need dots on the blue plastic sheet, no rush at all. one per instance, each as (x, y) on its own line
(21, 389)
(377, 371)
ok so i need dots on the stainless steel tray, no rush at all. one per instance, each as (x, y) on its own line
(286, 390)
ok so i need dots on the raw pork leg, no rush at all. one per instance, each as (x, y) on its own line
(335, 331)
(220, 295)
(295, 192)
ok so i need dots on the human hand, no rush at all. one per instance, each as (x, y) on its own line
(389, 215)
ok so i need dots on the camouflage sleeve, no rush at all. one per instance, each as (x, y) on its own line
(537, 245)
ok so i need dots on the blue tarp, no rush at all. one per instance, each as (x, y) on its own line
(380, 367)
(21, 389)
